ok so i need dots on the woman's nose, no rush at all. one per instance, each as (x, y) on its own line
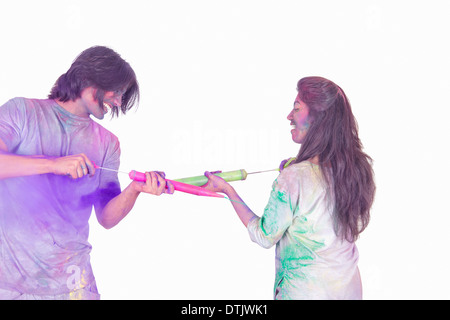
(289, 117)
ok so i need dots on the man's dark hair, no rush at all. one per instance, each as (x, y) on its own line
(102, 68)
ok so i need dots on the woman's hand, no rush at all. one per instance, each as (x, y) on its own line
(285, 163)
(216, 184)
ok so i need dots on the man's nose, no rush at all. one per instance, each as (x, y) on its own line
(118, 101)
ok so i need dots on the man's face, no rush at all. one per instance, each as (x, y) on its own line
(111, 100)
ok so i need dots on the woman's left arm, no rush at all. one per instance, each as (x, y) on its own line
(218, 184)
(277, 217)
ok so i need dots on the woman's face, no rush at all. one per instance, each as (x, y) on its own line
(300, 121)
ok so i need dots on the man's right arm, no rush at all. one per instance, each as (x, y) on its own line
(12, 165)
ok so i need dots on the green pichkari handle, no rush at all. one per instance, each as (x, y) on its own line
(229, 176)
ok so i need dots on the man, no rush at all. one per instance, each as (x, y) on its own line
(49, 150)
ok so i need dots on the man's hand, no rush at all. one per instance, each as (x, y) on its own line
(155, 184)
(75, 166)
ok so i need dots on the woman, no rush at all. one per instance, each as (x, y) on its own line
(319, 204)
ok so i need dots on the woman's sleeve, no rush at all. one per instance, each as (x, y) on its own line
(268, 230)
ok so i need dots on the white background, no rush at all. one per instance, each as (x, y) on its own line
(218, 79)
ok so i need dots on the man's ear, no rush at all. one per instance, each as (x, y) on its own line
(89, 93)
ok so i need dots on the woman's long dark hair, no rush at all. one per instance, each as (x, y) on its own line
(103, 69)
(333, 137)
